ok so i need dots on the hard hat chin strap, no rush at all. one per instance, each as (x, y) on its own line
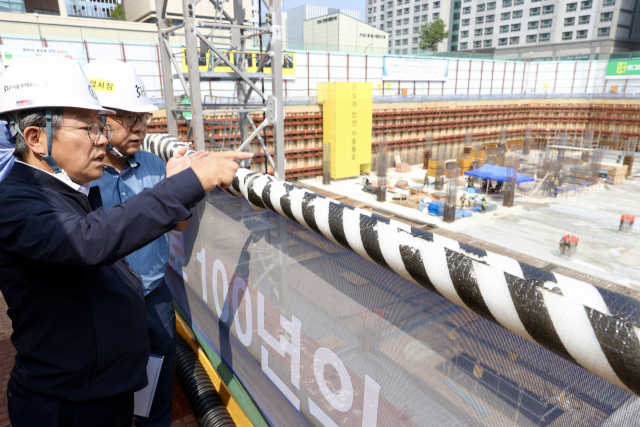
(49, 157)
(113, 150)
(13, 128)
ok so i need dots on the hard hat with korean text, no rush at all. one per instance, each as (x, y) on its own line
(46, 82)
(118, 85)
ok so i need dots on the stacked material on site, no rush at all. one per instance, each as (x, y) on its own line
(436, 208)
(616, 174)
(592, 327)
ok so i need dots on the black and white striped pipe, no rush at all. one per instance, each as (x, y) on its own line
(163, 145)
(592, 327)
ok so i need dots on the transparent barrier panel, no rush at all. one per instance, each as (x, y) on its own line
(320, 336)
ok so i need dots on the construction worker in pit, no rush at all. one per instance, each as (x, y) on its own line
(484, 204)
(470, 183)
(463, 200)
(77, 308)
(128, 171)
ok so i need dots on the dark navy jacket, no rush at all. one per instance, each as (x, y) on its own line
(78, 314)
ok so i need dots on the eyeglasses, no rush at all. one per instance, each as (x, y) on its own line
(95, 130)
(130, 120)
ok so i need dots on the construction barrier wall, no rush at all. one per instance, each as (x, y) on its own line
(464, 77)
(322, 337)
(409, 128)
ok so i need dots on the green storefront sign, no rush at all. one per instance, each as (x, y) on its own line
(625, 69)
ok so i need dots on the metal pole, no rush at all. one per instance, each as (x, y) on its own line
(586, 86)
(455, 89)
(469, 81)
(193, 73)
(165, 68)
(86, 50)
(308, 76)
(493, 66)
(39, 33)
(159, 71)
(276, 69)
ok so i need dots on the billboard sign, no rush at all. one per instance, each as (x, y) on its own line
(414, 69)
(625, 69)
(10, 54)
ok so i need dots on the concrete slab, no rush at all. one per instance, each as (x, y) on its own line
(594, 218)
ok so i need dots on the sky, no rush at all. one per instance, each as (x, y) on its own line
(344, 4)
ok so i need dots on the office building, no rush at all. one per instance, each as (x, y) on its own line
(338, 32)
(296, 17)
(402, 19)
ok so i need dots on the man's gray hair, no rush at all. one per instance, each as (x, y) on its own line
(35, 117)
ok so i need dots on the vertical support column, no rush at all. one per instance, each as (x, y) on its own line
(366, 63)
(586, 86)
(238, 43)
(308, 76)
(159, 71)
(347, 67)
(165, 68)
(193, 73)
(86, 50)
(455, 89)
(276, 69)
(469, 79)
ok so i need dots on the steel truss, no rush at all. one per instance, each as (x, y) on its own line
(199, 37)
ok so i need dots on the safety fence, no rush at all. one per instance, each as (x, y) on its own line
(465, 76)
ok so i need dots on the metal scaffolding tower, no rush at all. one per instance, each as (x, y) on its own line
(199, 37)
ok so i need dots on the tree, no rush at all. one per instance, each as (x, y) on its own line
(117, 13)
(431, 34)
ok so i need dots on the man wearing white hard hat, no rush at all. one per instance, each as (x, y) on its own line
(76, 306)
(127, 172)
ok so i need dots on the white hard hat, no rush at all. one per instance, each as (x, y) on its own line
(42, 82)
(118, 85)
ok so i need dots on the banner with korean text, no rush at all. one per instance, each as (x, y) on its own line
(320, 336)
(414, 69)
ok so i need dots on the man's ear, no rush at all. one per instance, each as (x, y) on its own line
(36, 139)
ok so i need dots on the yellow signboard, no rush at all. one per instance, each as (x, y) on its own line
(288, 62)
(347, 115)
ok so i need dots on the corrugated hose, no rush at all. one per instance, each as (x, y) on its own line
(203, 397)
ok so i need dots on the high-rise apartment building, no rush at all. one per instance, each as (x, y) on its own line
(297, 16)
(554, 28)
(527, 28)
(91, 8)
(402, 20)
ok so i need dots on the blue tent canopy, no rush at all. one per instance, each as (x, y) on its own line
(497, 173)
